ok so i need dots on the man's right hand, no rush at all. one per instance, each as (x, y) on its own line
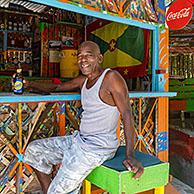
(30, 85)
(27, 83)
(40, 86)
(134, 166)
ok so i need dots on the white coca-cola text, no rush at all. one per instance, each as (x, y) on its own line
(183, 13)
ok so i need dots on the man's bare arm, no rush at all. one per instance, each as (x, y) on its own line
(119, 92)
(71, 85)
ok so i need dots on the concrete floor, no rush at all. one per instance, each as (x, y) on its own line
(175, 187)
(181, 187)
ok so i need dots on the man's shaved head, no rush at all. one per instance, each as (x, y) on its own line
(89, 58)
(91, 45)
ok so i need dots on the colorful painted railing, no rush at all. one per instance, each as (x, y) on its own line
(185, 94)
(35, 115)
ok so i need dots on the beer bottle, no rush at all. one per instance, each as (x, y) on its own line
(18, 86)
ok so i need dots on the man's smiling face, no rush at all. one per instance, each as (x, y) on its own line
(88, 58)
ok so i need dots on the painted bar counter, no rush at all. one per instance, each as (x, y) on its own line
(53, 97)
(31, 116)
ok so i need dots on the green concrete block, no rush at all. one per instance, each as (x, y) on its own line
(117, 182)
(153, 177)
(114, 178)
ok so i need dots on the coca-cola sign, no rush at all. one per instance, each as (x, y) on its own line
(179, 14)
(192, 1)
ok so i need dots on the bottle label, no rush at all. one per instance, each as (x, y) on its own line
(18, 86)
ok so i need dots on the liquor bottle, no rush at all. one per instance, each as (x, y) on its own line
(25, 26)
(2, 23)
(28, 26)
(15, 24)
(10, 23)
(12, 40)
(20, 27)
(17, 82)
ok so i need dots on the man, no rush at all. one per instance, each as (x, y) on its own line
(104, 96)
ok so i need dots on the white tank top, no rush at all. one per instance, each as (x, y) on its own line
(99, 121)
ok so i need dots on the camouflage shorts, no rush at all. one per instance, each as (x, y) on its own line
(75, 162)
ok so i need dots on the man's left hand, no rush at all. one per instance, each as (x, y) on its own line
(134, 166)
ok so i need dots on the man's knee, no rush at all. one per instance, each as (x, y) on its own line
(64, 186)
(31, 146)
(33, 149)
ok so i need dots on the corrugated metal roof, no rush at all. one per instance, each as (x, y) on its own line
(28, 5)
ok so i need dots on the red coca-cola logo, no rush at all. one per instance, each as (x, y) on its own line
(179, 14)
(192, 1)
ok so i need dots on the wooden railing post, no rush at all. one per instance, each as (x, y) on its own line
(162, 129)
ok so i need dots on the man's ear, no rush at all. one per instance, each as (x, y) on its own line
(100, 58)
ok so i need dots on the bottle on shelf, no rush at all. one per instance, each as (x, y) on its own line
(18, 82)
(28, 27)
(2, 26)
(20, 27)
(12, 40)
(15, 24)
(25, 26)
(10, 23)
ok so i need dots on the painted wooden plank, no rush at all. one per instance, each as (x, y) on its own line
(182, 104)
(176, 105)
(151, 94)
(189, 81)
(184, 95)
(174, 82)
(155, 60)
(190, 105)
(164, 56)
(162, 118)
(185, 88)
(102, 15)
(11, 98)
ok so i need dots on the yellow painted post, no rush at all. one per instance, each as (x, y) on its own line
(62, 122)
(86, 187)
(159, 190)
(140, 127)
(21, 178)
(20, 172)
(62, 118)
(20, 127)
